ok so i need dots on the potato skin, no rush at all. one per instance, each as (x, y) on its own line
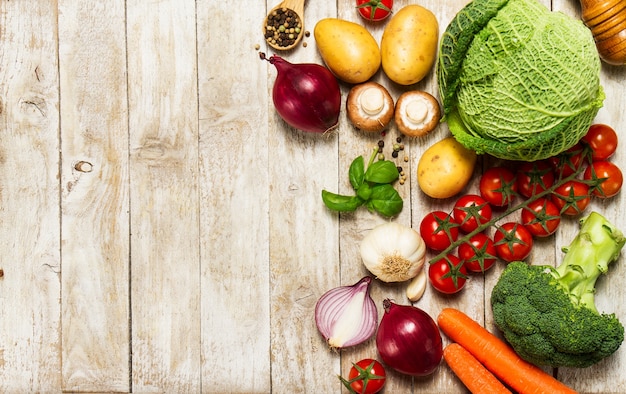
(445, 168)
(409, 44)
(348, 49)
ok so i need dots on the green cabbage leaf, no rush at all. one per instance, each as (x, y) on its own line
(518, 81)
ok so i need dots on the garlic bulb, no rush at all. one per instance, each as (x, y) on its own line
(393, 252)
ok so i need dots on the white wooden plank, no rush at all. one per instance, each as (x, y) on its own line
(95, 206)
(304, 254)
(165, 267)
(30, 342)
(234, 189)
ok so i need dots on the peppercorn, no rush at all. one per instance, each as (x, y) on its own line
(283, 26)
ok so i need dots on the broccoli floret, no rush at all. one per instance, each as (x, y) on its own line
(549, 315)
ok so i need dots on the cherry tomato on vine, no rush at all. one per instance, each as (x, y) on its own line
(367, 376)
(541, 217)
(478, 254)
(470, 211)
(534, 177)
(497, 186)
(513, 242)
(606, 177)
(374, 10)
(571, 197)
(448, 274)
(568, 162)
(602, 140)
(439, 230)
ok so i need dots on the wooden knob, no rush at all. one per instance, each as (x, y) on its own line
(607, 21)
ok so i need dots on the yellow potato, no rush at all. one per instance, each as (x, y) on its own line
(445, 168)
(409, 44)
(348, 49)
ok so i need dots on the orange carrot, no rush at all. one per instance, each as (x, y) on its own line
(471, 372)
(497, 356)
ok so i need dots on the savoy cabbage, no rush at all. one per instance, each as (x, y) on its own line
(517, 80)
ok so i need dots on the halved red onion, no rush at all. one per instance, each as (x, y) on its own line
(347, 315)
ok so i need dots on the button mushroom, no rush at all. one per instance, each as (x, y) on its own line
(417, 113)
(370, 107)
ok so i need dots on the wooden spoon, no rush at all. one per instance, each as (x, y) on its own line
(607, 21)
(297, 6)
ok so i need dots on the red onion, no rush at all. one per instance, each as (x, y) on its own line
(408, 340)
(306, 95)
(347, 315)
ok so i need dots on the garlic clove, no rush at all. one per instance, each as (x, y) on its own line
(416, 288)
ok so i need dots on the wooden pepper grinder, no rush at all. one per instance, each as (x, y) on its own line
(607, 21)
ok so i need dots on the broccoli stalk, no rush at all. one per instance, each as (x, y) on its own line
(597, 244)
(548, 314)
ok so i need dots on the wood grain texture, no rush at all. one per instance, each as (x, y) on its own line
(95, 197)
(164, 202)
(188, 253)
(30, 336)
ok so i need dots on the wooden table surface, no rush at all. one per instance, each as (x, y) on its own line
(162, 228)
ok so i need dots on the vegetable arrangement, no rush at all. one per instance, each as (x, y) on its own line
(519, 83)
(549, 190)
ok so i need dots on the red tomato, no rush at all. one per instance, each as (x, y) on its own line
(470, 211)
(513, 242)
(571, 197)
(497, 186)
(568, 162)
(606, 177)
(374, 10)
(438, 230)
(541, 217)
(478, 254)
(367, 376)
(602, 140)
(534, 177)
(447, 275)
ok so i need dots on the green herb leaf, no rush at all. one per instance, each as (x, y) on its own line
(365, 191)
(341, 203)
(385, 200)
(382, 171)
(357, 172)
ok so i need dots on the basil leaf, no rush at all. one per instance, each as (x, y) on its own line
(341, 203)
(385, 200)
(364, 192)
(357, 172)
(382, 171)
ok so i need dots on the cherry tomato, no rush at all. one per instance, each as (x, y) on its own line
(602, 140)
(513, 242)
(478, 254)
(367, 376)
(541, 217)
(447, 275)
(606, 177)
(439, 230)
(571, 197)
(470, 211)
(534, 177)
(568, 162)
(374, 10)
(497, 186)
